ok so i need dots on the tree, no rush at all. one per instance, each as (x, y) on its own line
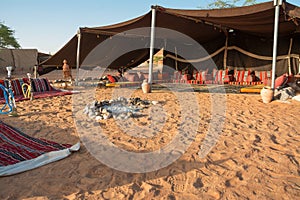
(7, 38)
(229, 3)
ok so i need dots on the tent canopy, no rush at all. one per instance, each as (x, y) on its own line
(248, 28)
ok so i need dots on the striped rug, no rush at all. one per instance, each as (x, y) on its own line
(20, 152)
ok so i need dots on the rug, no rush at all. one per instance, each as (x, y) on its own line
(20, 152)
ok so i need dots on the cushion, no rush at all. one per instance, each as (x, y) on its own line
(177, 75)
(281, 80)
(185, 77)
(131, 77)
(146, 75)
(1, 91)
(16, 85)
(40, 85)
(203, 75)
(111, 78)
(141, 76)
(225, 77)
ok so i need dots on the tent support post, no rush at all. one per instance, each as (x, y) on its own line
(151, 46)
(176, 64)
(225, 53)
(289, 56)
(277, 4)
(78, 56)
(299, 65)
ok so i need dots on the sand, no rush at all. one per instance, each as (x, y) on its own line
(256, 156)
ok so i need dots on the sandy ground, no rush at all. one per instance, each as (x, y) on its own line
(256, 156)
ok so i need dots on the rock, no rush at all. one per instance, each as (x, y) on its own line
(129, 114)
(154, 102)
(98, 117)
(107, 116)
(104, 111)
(86, 109)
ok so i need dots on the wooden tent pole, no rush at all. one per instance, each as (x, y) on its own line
(277, 4)
(152, 45)
(78, 56)
(225, 53)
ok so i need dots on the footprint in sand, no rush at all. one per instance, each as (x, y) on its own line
(198, 184)
(178, 180)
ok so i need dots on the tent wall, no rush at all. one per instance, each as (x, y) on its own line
(23, 60)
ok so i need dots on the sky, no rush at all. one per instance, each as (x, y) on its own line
(47, 25)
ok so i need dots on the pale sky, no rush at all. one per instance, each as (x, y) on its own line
(47, 25)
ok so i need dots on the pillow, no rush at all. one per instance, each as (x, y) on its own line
(146, 76)
(203, 75)
(16, 85)
(131, 77)
(281, 80)
(141, 76)
(40, 85)
(111, 78)
(1, 91)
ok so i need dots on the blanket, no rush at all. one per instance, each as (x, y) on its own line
(20, 152)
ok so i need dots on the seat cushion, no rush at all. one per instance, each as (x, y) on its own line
(40, 85)
(281, 80)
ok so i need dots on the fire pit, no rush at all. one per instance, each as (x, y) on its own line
(120, 108)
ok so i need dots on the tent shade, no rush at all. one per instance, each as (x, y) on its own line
(248, 30)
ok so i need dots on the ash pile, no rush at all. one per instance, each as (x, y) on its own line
(120, 108)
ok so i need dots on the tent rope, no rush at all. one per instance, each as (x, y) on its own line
(232, 48)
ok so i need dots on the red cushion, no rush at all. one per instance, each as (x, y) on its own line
(16, 85)
(281, 80)
(111, 78)
(1, 91)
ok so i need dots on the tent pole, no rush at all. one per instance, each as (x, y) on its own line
(289, 56)
(151, 45)
(225, 53)
(299, 66)
(78, 56)
(176, 64)
(277, 4)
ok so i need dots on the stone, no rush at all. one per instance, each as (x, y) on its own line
(98, 117)
(154, 102)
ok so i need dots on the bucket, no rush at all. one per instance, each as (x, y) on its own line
(267, 94)
(146, 87)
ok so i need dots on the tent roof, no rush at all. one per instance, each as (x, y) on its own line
(202, 25)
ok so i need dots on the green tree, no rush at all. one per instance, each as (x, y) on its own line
(7, 39)
(230, 3)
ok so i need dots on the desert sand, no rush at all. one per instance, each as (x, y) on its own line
(257, 154)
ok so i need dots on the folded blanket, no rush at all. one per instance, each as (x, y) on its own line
(20, 152)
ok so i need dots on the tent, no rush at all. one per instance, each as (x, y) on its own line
(240, 38)
(22, 60)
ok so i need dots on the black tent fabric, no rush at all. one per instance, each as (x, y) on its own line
(246, 33)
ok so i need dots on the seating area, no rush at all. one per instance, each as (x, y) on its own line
(233, 77)
(135, 79)
(41, 88)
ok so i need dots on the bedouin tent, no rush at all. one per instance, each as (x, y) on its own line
(23, 60)
(240, 38)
